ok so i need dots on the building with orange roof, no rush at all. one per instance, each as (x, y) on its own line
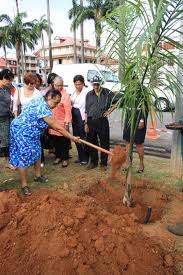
(63, 52)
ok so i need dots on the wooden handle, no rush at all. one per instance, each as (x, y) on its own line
(96, 147)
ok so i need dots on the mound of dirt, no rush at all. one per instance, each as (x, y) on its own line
(51, 233)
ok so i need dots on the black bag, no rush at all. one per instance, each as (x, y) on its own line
(46, 140)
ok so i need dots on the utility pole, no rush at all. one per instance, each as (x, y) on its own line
(82, 37)
(49, 36)
(176, 160)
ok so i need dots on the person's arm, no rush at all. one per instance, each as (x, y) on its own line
(68, 114)
(51, 121)
(15, 103)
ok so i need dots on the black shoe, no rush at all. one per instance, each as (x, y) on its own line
(26, 191)
(41, 179)
(103, 167)
(77, 161)
(92, 166)
(83, 163)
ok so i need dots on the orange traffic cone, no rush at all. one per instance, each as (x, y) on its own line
(151, 131)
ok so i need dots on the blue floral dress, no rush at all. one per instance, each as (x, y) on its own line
(25, 131)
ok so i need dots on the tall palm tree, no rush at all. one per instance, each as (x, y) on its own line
(95, 10)
(144, 26)
(82, 36)
(49, 35)
(5, 41)
(40, 27)
(20, 33)
(74, 30)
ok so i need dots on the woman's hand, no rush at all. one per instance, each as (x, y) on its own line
(86, 128)
(76, 139)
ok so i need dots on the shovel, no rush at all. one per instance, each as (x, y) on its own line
(96, 147)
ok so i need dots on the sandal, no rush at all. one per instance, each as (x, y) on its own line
(65, 163)
(26, 191)
(41, 179)
(11, 167)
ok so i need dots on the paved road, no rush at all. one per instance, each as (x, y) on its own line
(163, 143)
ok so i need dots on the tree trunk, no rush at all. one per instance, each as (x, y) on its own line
(18, 56)
(17, 7)
(49, 36)
(75, 52)
(98, 31)
(22, 59)
(82, 38)
(122, 55)
(5, 55)
(44, 56)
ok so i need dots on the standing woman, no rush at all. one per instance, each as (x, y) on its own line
(6, 78)
(78, 99)
(62, 113)
(25, 145)
(25, 94)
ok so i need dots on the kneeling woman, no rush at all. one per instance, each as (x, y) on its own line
(25, 147)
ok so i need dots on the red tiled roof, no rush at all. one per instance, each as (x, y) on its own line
(3, 63)
(69, 41)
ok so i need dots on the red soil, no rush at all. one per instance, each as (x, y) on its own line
(51, 233)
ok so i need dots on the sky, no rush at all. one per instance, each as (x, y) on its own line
(58, 14)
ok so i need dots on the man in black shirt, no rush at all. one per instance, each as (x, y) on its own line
(98, 103)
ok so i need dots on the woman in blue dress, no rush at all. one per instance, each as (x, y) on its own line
(25, 131)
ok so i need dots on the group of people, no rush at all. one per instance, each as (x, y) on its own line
(26, 112)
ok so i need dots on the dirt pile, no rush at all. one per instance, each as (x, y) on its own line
(51, 233)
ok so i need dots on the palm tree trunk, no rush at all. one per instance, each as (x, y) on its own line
(22, 59)
(5, 55)
(98, 31)
(17, 7)
(82, 37)
(43, 47)
(75, 53)
(18, 56)
(49, 36)
(127, 199)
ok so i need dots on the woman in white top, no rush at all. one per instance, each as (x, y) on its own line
(25, 94)
(78, 116)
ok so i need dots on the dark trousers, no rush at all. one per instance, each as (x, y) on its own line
(98, 130)
(61, 145)
(78, 130)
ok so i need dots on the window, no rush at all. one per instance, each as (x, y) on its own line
(91, 73)
(109, 76)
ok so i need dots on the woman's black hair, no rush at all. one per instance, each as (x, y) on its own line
(51, 78)
(6, 74)
(52, 93)
(40, 78)
(80, 78)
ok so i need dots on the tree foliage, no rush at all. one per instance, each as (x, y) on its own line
(137, 31)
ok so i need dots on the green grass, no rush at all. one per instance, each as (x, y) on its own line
(77, 177)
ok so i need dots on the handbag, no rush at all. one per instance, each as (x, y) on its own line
(18, 103)
(46, 140)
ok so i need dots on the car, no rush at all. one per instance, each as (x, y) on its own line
(17, 84)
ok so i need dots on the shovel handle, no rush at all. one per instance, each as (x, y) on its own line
(96, 147)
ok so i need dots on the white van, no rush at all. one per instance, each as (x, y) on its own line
(87, 70)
